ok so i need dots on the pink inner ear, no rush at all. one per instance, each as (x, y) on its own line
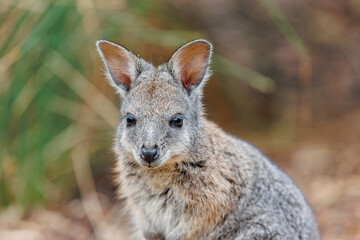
(118, 62)
(120, 78)
(192, 62)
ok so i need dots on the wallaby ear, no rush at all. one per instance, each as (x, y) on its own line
(190, 63)
(120, 65)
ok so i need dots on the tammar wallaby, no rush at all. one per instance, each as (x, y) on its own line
(181, 176)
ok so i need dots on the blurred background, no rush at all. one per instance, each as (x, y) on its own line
(286, 78)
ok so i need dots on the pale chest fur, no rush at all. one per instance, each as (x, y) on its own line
(186, 197)
(154, 204)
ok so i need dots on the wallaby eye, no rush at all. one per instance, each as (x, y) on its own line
(176, 120)
(130, 120)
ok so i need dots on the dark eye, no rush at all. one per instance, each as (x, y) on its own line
(130, 120)
(176, 120)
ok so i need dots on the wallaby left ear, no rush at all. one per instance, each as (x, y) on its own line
(190, 63)
(121, 65)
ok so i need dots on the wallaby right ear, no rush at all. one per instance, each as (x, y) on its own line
(120, 65)
(190, 63)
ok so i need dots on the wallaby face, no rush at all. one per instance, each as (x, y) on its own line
(160, 106)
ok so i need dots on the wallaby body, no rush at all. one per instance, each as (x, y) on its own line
(181, 175)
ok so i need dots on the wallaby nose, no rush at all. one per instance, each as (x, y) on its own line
(149, 154)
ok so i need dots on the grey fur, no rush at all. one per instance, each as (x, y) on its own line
(206, 183)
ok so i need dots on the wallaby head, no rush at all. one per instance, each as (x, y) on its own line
(161, 106)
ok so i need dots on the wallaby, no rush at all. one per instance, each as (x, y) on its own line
(181, 176)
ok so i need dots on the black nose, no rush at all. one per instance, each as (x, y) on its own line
(149, 154)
